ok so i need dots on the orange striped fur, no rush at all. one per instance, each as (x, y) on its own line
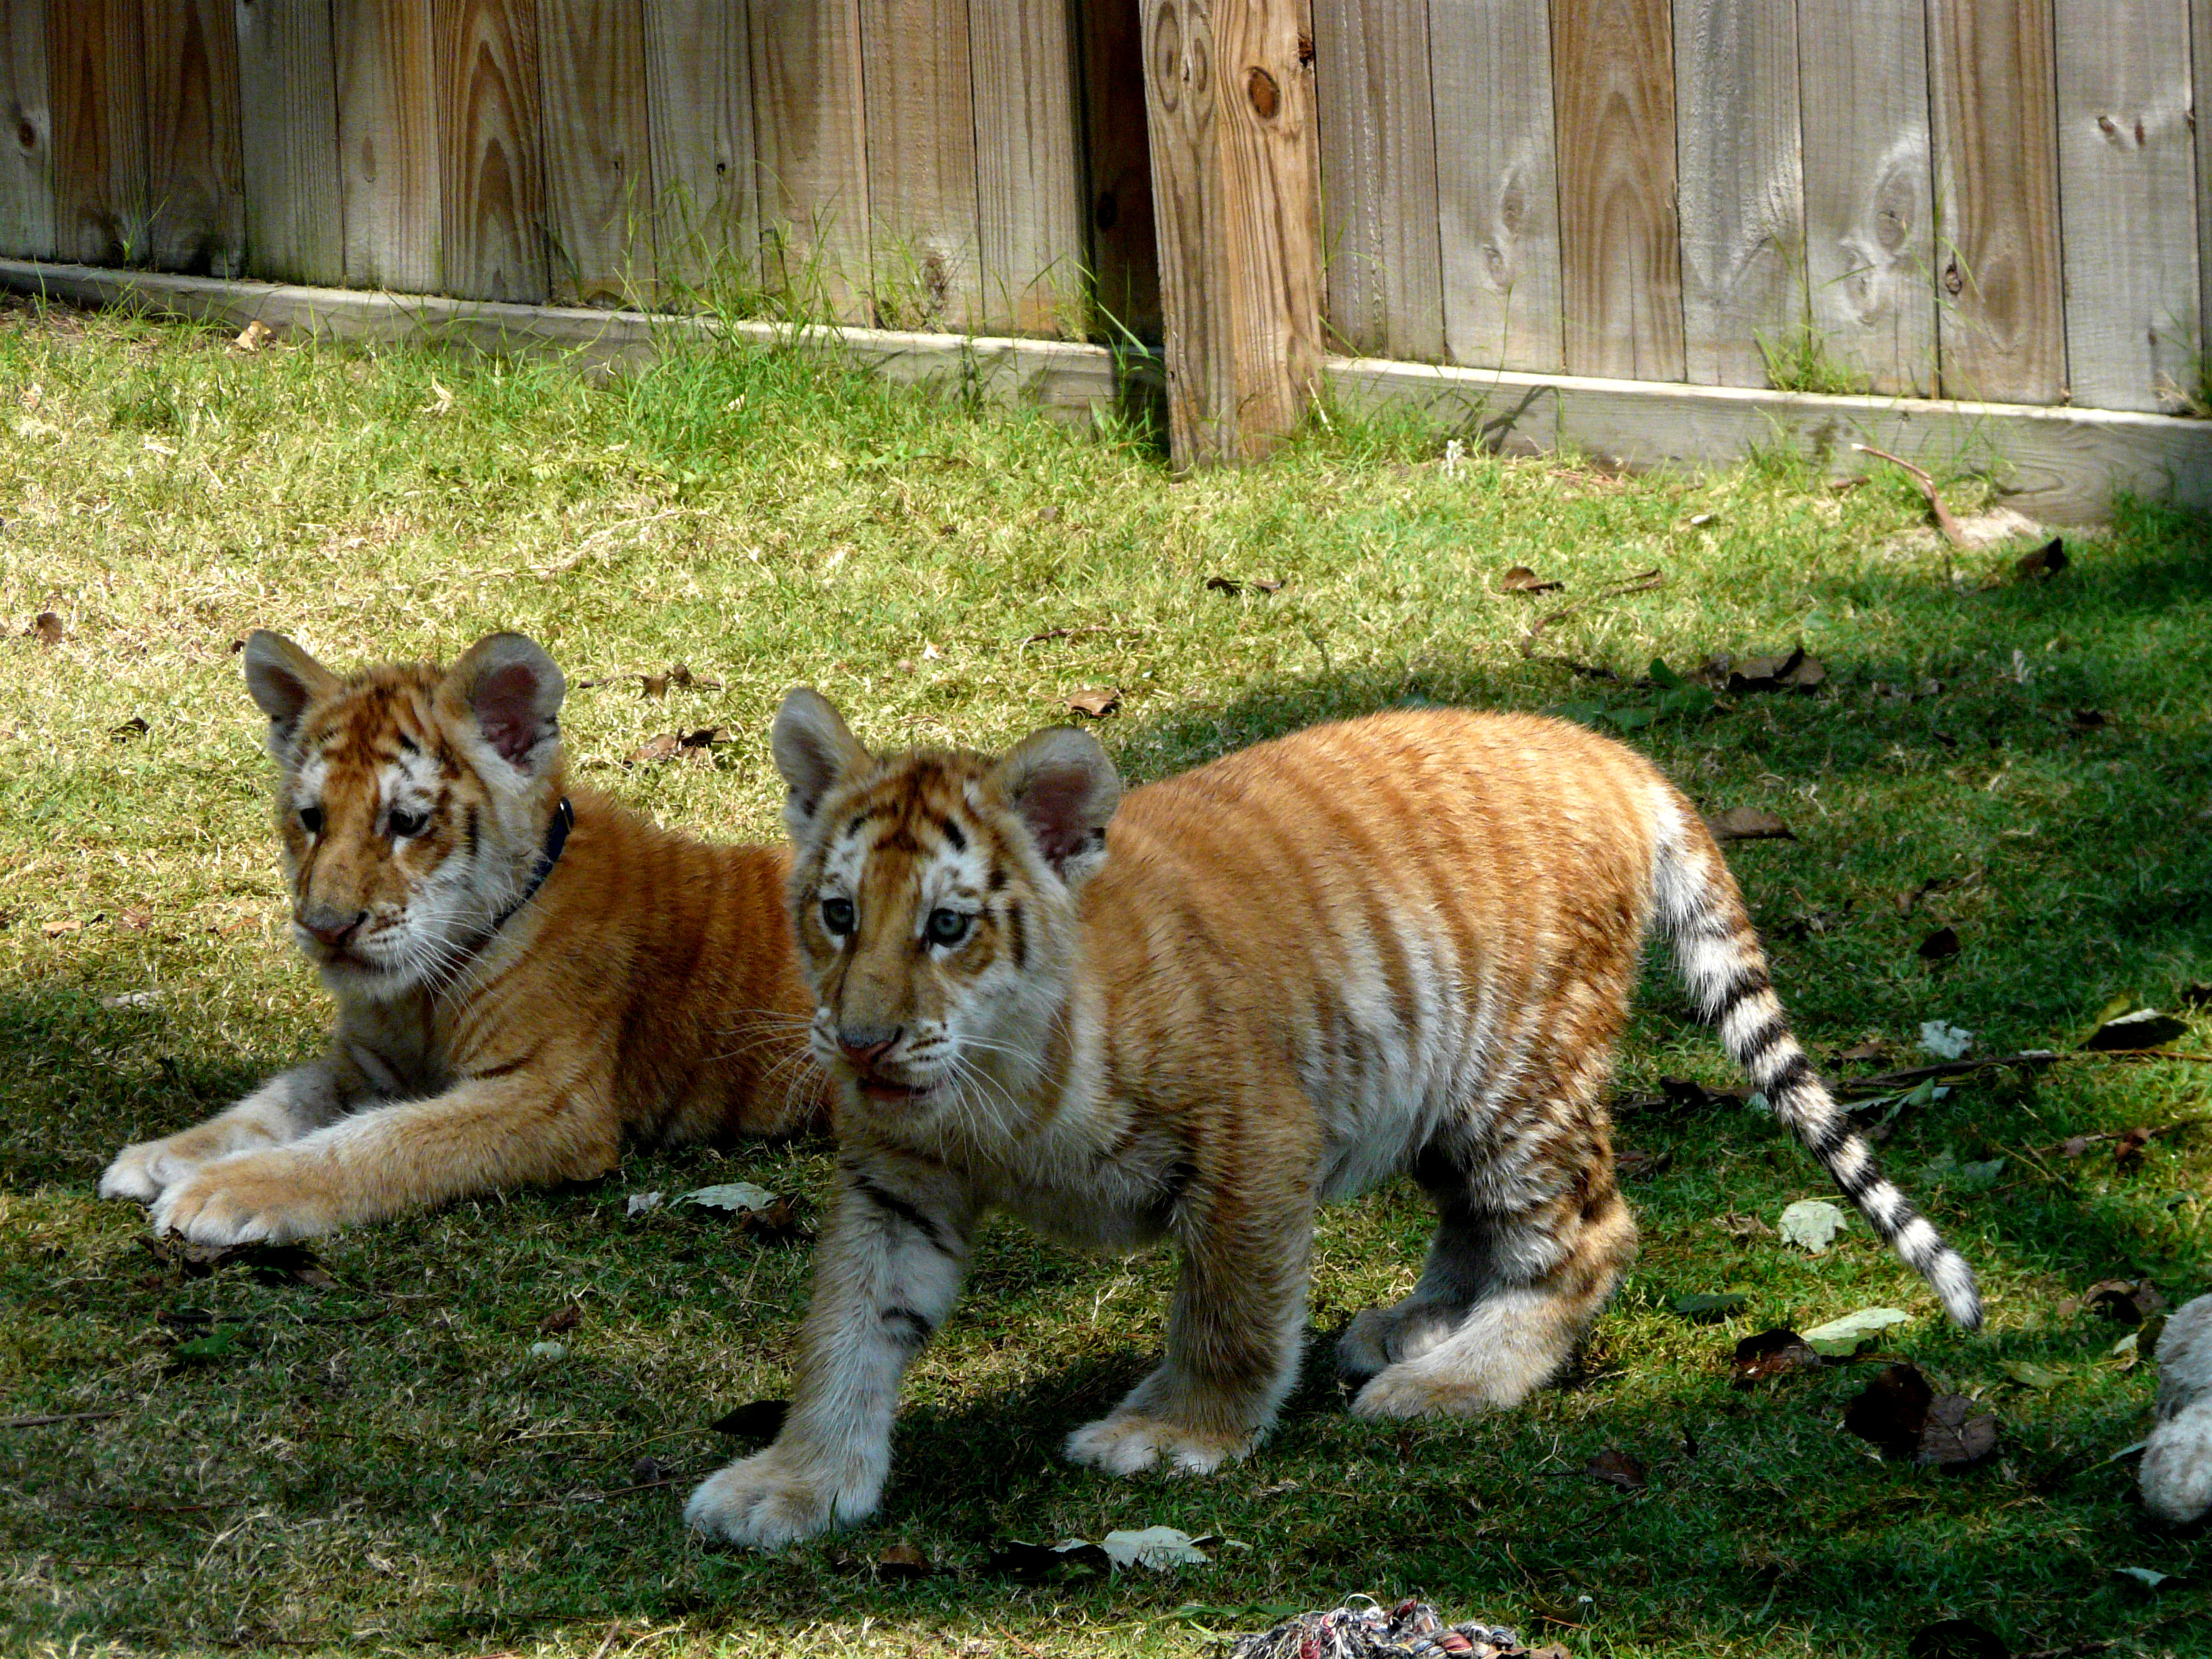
(1403, 944)
(488, 1034)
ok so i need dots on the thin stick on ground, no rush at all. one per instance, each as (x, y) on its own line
(1944, 522)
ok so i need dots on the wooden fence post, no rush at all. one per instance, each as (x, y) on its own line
(1231, 109)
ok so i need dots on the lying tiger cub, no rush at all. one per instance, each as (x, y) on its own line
(1404, 943)
(520, 975)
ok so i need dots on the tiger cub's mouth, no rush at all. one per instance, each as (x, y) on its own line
(886, 1092)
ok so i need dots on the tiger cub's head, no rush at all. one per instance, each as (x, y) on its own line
(413, 801)
(934, 899)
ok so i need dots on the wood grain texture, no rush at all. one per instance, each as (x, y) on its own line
(1124, 250)
(1612, 68)
(598, 158)
(195, 163)
(288, 127)
(1232, 119)
(96, 79)
(813, 157)
(925, 253)
(1869, 211)
(706, 191)
(388, 162)
(1378, 164)
(2200, 55)
(26, 133)
(1743, 200)
(493, 232)
(2127, 168)
(2001, 322)
(1498, 190)
(1029, 169)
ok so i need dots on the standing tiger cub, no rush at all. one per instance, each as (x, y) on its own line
(520, 975)
(1403, 943)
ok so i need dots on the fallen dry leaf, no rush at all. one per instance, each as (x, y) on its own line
(1747, 824)
(1772, 1353)
(1093, 702)
(1743, 1228)
(1866, 1048)
(1617, 1468)
(1792, 671)
(2130, 1301)
(1940, 945)
(654, 748)
(2045, 562)
(45, 628)
(653, 685)
(136, 920)
(1238, 583)
(254, 335)
(1957, 1433)
(61, 925)
(756, 1419)
(562, 1319)
(135, 727)
(903, 1561)
(1521, 580)
(1891, 1410)
(2144, 1029)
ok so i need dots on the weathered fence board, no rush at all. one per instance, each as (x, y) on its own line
(1239, 229)
(96, 79)
(2128, 176)
(2002, 327)
(288, 127)
(1378, 164)
(1497, 193)
(923, 253)
(813, 156)
(1612, 67)
(1742, 187)
(1125, 260)
(389, 174)
(699, 88)
(493, 237)
(2200, 54)
(1870, 217)
(195, 166)
(1028, 176)
(599, 160)
(26, 150)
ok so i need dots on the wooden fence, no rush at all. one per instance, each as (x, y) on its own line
(2006, 200)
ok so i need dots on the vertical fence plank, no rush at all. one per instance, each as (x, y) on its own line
(922, 251)
(491, 162)
(1378, 159)
(2200, 59)
(2127, 195)
(388, 162)
(699, 86)
(598, 159)
(27, 130)
(1239, 229)
(1612, 69)
(194, 165)
(2000, 324)
(1870, 217)
(96, 78)
(813, 159)
(1743, 187)
(288, 127)
(1028, 173)
(1125, 259)
(1498, 185)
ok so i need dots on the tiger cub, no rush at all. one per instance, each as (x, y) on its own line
(520, 975)
(1402, 942)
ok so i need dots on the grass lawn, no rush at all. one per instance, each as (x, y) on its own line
(374, 1462)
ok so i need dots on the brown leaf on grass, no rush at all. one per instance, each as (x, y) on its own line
(758, 1420)
(136, 920)
(1617, 1468)
(654, 748)
(903, 1561)
(1956, 1434)
(2045, 562)
(1747, 824)
(254, 335)
(2130, 1301)
(1792, 671)
(1891, 1411)
(45, 628)
(2196, 995)
(272, 1264)
(562, 1319)
(1866, 1048)
(1238, 583)
(781, 1223)
(2127, 1146)
(1519, 578)
(1686, 1092)
(1094, 702)
(1639, 1162)
(2144, 1029)
(135, 727)
(653, 685)
(61, 925)
(1771, 1353)
(1940, 945)
(1743, 1228)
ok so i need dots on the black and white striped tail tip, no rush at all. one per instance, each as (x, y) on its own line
(1943, 1267)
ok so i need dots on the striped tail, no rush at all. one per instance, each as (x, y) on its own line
(1718, 955)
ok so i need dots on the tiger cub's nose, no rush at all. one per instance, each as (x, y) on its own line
(864, 1045)
(331, 927)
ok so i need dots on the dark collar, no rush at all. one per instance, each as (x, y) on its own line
(556, 837)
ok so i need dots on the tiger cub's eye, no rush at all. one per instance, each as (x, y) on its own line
(404, 824)
(311, 819)
(947, 927)
(837, 916)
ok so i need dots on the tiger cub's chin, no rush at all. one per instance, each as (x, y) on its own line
(1400, 945)
(520, 975)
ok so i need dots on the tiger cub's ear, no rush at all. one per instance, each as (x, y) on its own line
(283, 680)
(1065, 789)
(512, 690)
(813, 749)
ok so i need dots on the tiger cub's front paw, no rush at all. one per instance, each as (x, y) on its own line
(141, 1172)
(249, 1198)
(1129, 1443)
(767, 1500)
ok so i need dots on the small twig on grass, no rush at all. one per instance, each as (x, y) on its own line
(614, 1629)
(2148, 1132)
(1638, 584)
(41, 1420)
(1884, 1081)
(1944, 522)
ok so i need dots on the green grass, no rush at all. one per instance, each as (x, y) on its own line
(378, 1465)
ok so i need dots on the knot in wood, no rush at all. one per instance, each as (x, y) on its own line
(1260, 87)
(1953, 282)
